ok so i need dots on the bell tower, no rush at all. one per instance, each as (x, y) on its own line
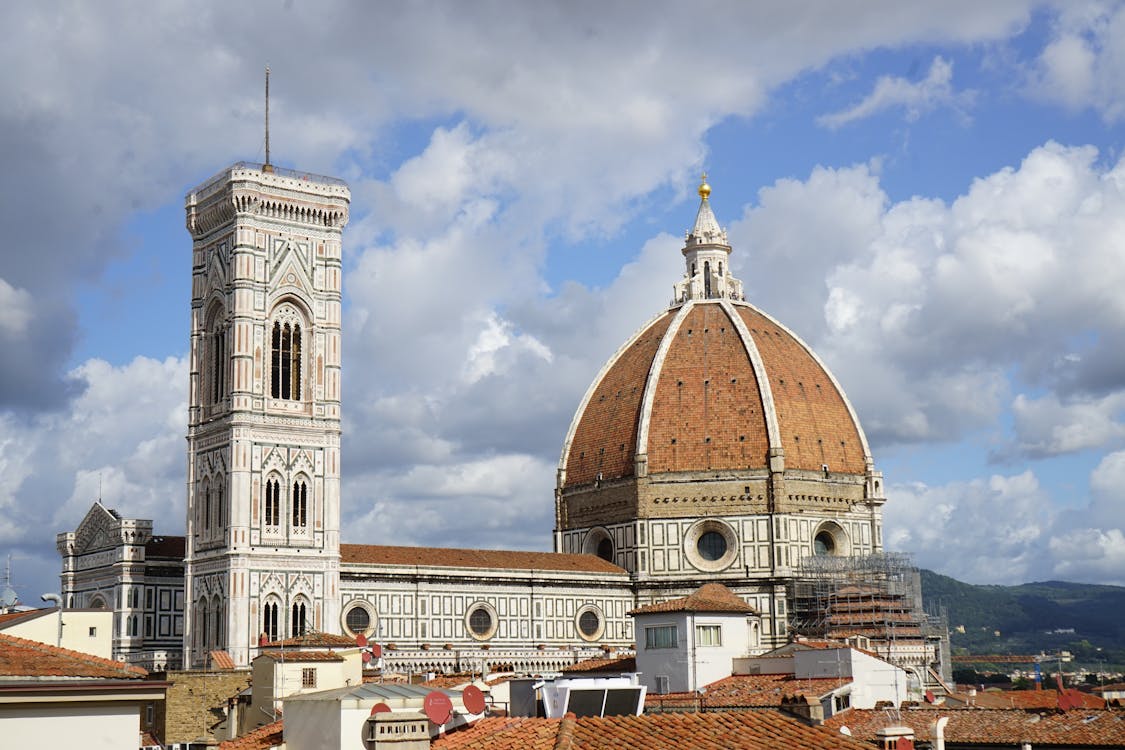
(263, 501)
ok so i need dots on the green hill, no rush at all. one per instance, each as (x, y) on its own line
(1032, 617)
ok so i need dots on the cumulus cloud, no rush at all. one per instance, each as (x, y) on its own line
(913, 98)
(1083, 63)
(1047, 426)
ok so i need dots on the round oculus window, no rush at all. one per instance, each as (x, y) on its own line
(823, 544)
(480, 622)
(711, 546)
(358, 619)
(589, 623)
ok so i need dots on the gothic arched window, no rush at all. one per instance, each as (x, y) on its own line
(273, 503)
(218, 363)
(707, 279)
(299, 619)
(206, 514)
(269, 620)
(300, 503)
(285, 363)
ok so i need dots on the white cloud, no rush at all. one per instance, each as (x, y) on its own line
(982, 531)
(15, 309)
(1047, 426)
(914, 98)
(1083, 64)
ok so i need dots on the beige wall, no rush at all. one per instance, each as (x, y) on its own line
(88, 631)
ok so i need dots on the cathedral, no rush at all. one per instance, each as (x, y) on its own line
(713, 446)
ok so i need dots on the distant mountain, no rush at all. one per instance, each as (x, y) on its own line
(1032, 618)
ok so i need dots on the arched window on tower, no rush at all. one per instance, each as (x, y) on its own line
(285, 365)
(270, 620)
(300, 504)
(707, 279)
(218, 361)
(220, 519)
(298, 622)
(205, 511)
(273, 502)
(217, 625)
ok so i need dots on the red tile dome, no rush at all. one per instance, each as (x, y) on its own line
(712, 385)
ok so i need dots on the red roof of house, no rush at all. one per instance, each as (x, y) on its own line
(23, 658)
(221, 660)
(1024, 699)
(27, 614)
(710, 597)
(748, 691)
(993, 726)
(315, 640)
(733, 730)
(280, 655)
(370, 554)
(262, 738)
(610, 664)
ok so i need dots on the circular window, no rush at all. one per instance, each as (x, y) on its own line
(711, 545)
(590, 622)
(605, 549)
(359, 617)
(481, 621)
(823, 544)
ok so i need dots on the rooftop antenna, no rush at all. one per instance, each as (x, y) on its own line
(267, 167)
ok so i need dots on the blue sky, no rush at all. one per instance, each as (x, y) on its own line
(932, 195)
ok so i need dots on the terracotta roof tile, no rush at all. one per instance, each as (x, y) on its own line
(986, 726)
(281, 655)
(733, 730)
(24, 658)
(710, 597)
(221, 660)
(8, 618)
(369, 554)
(610, 664)
(262, 738)
(1024, 699)
(314, 640)
(748, 691)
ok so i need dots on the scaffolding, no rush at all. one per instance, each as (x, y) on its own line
(873, 602)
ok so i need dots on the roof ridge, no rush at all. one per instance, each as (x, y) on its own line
(78, 655)
(564, 740)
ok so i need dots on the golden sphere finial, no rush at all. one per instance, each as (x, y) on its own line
(704, 188)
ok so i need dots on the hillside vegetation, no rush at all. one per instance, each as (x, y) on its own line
(1085, 619)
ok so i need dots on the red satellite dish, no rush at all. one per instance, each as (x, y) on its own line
(360, 640)
(437, 707)
(380, 708)
(473, 699)
(366, 657)
(904, 743)
(929, 696)
(263, 639)
(376, 650)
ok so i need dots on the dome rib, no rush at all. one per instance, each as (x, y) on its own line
(773, 431)
(653, 379)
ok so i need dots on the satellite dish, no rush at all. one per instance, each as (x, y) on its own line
(437, 707)
(929, 696)
(360, 640)
(473, 699)
(263, 639)
(376, 650)
(380, 708)
(366, 657)
(904, 743)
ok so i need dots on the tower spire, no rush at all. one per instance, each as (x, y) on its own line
(267, 167)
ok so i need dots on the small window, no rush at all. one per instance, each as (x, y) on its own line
(708, 635)
(842, 702)
(712, 546)
(660, 636)
(358, 619)
(308, 677)
(589, 623)
(480, 622)
(605, 549)
(93, 632)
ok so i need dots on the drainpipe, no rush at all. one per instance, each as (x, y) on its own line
(939, 733)
(58, 605)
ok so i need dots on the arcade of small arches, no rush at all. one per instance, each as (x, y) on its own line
(272, 517)
(279, 622)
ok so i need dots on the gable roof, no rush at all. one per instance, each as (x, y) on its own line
(11, 618)
(748, 691)
(21, 658)
(734, 730)
(1023, 699)
(371, 554)
(602, 665)
(710, 597)
(280, 655)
